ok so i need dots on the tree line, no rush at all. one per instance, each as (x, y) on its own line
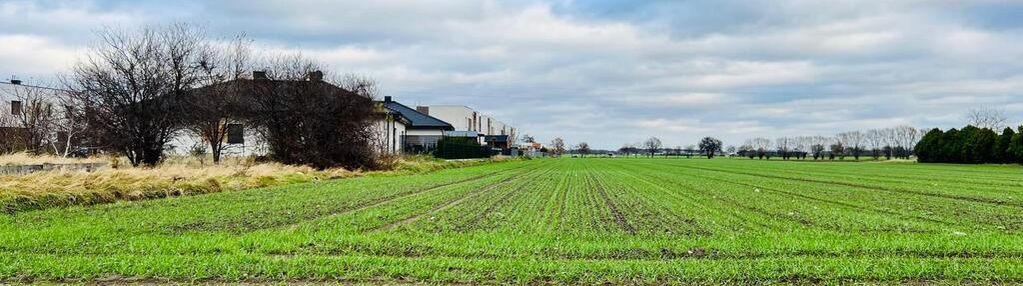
(896, 142)
(971, 145)
(707, 146)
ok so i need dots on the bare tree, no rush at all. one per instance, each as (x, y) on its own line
(891, 142)
(307, 118)
(763, 147)
(984, 117)
(652, 145)
(557, 147)
(854, 142)
(799, 146)
(583, 148)
(528, 139)
(35, 117)
(817, 146)
(212, 107)
(876, 139)
(784, 146)
(131, 83)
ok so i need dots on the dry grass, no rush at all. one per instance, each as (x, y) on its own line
(177, 176)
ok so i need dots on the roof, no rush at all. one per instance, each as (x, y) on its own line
(417, 119)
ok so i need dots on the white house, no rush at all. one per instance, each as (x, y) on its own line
(463, 118)
(421, 131)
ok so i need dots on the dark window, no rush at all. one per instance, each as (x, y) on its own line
(15, 107)
(235, 134)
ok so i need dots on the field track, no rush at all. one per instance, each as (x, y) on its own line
(570, 220)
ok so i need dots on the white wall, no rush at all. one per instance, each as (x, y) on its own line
(389, 135)
(254, 145)
(460, 117)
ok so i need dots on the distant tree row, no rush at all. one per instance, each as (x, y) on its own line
(971, 145)
(708, 146)
(897, 142)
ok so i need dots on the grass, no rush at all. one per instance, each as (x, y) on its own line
(177, 176)
(578, 221)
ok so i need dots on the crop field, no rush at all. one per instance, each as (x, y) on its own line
(569, 220)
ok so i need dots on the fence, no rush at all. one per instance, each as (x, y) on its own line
(28, 169)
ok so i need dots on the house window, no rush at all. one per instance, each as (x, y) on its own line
(235, 134)
(15, 107)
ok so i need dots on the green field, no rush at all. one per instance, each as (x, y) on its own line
(557, 220)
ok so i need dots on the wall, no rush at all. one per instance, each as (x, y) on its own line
(390, 135)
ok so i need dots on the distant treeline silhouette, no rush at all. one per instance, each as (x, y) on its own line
(971, 145)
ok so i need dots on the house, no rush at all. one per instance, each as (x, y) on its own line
(422, 131)
(465, 119)
(390, 128)
(23, 106)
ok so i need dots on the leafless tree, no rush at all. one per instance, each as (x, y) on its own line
(212, 107)
(984, 117)
(652, 145)
(784, 145)
(876, 139)
(34, 118)
(557, 147)
(130, 85)
(891, 141)
(799, 146)
(306, 118)
(853, 140)
(818, 144)
(583, 148)
(68, 124)
(906, 137)
(528, 138)
(763, 147)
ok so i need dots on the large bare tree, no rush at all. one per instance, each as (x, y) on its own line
(130, 85)
(876, 139)
(210, 108)
(652, 145)
(557, 147)
(763, 147)
(985, 117)
(306, 118)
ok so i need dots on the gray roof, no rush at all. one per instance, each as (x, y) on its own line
(417, 119)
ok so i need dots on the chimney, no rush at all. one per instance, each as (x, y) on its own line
(387, 98)
(16, 81)
(259, 75)
(423, 109)
(316, 76)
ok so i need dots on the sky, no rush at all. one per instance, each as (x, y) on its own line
(608, 72)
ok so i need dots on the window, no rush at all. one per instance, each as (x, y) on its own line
(235, 134)
(15, 107)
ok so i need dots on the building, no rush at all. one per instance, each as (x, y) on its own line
(390, 129)
(23, 106)
(465, 119)
(422, 130)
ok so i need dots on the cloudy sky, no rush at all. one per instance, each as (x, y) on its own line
(610, 72)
